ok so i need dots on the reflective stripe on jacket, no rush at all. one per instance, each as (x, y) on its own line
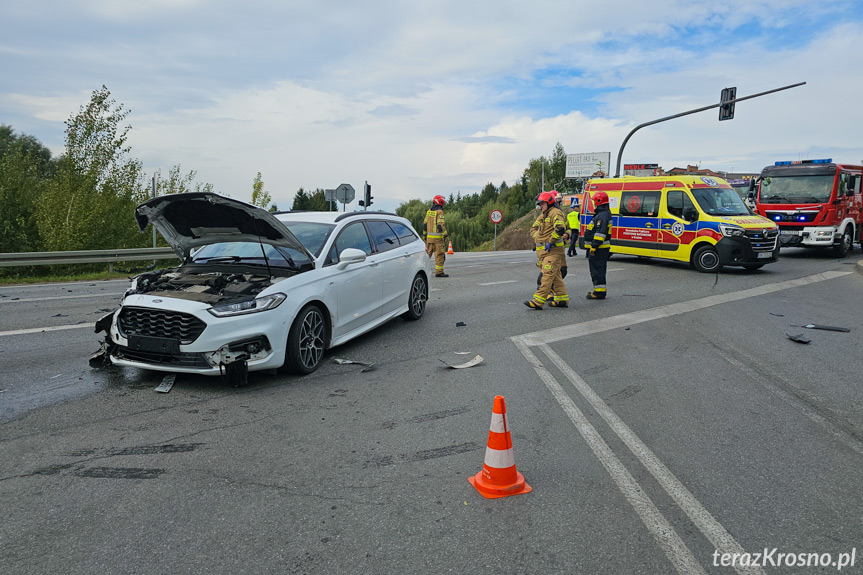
(550, 228)
(435, 224)
(598, 231)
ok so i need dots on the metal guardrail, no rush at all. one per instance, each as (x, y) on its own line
(84, 257)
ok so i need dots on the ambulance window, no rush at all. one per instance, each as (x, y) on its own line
(643, 204)
(678, 203)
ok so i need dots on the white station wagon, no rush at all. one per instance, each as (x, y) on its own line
(257, 290)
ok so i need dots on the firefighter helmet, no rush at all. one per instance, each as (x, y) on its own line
(600, 198)
(547, 197)
(558, 197)
(438, 200)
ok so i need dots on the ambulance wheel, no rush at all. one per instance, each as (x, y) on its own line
(843, 248)
(706, 260)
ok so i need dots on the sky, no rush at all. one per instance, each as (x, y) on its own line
(436, 97)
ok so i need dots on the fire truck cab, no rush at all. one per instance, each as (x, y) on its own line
(815, 203)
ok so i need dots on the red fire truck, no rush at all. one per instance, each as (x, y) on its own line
(816, 203)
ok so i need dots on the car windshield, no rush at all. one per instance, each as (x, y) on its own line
(250, 253)
(796, 189)
(313, 235)
(720, 202)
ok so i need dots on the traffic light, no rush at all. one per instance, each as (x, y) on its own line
(726, 111)
(367, 192)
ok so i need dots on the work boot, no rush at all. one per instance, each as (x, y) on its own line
(594, 295)
(558, 304)
(532, 304)
(441, 275)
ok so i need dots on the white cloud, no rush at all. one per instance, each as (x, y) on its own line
(427, 98)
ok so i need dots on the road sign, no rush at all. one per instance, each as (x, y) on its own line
(496, 216)
(330, 195)
(585, 165)
(345, 193)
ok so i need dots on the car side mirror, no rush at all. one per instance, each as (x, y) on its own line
(690, 214)
(350, 256)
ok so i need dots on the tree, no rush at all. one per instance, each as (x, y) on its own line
(21, 186)
(260, 198)
(301, 201)
(90, 202)
(177, 183)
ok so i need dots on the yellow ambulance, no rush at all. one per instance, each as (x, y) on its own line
(695, 219)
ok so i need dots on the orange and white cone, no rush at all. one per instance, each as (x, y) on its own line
(449, 249)
(499, 477)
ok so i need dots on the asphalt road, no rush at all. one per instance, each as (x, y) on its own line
(660, 429)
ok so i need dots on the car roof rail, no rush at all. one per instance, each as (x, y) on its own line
(364, 213)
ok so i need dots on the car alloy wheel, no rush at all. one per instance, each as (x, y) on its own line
(417, 299)
(307, 340)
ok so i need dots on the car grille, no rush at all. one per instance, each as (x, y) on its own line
(158, 323)
(762, 240)
(192, 360)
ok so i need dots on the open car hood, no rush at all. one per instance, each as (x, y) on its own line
(187, 221)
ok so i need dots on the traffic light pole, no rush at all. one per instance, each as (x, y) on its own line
(635, 129)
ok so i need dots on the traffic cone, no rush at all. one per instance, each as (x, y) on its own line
(449, 249)
(499, 477)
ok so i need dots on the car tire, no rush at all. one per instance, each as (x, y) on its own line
(307, 341)
(843, 248)
(417, 298)
(706, 260)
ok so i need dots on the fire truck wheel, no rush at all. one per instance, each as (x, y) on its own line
(843, 248)
(706, 260)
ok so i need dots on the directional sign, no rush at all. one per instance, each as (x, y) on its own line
(345, 193)
(496, 216)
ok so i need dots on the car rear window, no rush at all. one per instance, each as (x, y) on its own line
(404, 233)
(384, 237)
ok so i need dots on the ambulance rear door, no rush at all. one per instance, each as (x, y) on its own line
(637, 229)
(679, 224)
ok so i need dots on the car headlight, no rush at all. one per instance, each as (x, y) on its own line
(250, 306)
(731, 231)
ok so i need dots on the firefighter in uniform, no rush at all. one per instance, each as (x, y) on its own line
(551, 235)
(436, 235)
(572, 220)
(597, 242)
(540, 247)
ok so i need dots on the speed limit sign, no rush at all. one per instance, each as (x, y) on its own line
(496, 216)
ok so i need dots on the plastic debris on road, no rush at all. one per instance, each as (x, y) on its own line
(477, 359)
(366, 366)
(799, 338)
(167, 383)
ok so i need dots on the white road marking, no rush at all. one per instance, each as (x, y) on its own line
(711, 528)
(41, 329)
(629, 319)
(6, 300)
(498, 283)
(676, 551)
(664, 534)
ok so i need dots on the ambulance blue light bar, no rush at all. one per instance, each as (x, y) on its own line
(795, 162)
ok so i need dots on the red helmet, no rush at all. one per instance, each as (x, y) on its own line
(547, 197)
(558, 197)
(439, 200)
(600, 198)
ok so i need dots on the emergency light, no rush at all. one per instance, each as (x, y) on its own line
(795, 162)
